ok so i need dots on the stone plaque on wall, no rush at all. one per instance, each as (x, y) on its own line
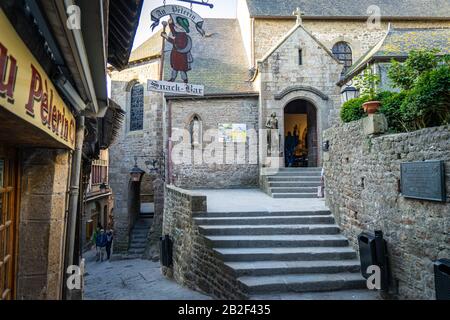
(423, 180)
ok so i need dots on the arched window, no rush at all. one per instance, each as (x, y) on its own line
(137, 107)
(195, 130)
(343, 53)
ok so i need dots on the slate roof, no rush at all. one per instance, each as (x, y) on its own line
(398, 43)
(150, 48)
(350, 8)
(220, 62)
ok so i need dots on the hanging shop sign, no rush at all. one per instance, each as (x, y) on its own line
(27, 91)
(180, 23)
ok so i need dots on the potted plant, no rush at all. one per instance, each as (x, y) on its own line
(367, 83)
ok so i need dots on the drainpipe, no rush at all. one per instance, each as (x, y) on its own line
(74, 194)
(81, 50)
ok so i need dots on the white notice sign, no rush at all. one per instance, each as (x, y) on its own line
(175, 87)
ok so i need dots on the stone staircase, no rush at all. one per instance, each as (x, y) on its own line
(283, 252)
(293, 183)
(138, 238)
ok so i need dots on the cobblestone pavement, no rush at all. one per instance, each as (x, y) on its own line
(131, 280)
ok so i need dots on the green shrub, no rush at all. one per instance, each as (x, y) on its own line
(405, 75)
(352, 109)
(391, 103)
(427, 104)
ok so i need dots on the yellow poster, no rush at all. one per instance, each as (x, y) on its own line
(27, 91)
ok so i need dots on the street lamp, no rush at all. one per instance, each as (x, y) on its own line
(136, 172)
(349, 93)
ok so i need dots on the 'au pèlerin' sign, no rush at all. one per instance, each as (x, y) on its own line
(27, 91)
(181, 22)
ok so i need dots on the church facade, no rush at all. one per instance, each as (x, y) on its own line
(266, 61)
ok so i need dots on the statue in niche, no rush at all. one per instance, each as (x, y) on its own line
(272, 124)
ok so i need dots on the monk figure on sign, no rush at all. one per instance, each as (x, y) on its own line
(180, 57)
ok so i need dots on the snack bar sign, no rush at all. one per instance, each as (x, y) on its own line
(27, 91)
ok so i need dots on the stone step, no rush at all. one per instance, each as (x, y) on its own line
(138, 243)
(262, 214)
(293, 189)
(294, 184)
(140, 231)
(135, 236)
(301, 169)
(352, 294)
(303, 282)
(139, 227)
(265, 241)
(305, 254)
(293, 179)
(266, 220)
(273, 229)
(295, 195)
(136, 251)
(135, 248)
(297, 173)
(266, 268)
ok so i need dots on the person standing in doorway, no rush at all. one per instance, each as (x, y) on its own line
(109, 241)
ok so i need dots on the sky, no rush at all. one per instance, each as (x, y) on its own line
(222, 9)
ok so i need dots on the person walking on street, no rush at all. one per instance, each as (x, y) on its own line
(101, 245)
(109, 240)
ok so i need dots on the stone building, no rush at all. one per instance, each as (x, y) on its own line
(55, 118)
(98, 203)
(267, 60)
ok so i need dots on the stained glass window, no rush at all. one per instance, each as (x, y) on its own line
(137, 108)
(343, 53)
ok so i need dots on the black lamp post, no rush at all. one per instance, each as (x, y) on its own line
(349, 93)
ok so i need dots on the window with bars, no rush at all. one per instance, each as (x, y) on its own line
(343, 52)
(137, 107)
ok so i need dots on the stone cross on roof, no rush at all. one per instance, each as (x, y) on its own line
(299, 15)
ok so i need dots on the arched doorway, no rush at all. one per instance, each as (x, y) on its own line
(300, 134)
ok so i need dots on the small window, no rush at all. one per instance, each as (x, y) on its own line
(137, 107)
(343, 53)
(300, 57)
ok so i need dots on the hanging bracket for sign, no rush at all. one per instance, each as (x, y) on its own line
(202, 2)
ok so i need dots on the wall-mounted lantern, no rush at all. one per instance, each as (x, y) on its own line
(136, 172)
(349, 93)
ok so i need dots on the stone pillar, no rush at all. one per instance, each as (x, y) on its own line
(44, 186)
(156, 228)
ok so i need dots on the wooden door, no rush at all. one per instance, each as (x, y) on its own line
(8, 222)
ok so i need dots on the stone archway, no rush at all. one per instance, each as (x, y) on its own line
(301, 138)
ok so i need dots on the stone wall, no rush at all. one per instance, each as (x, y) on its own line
(146, 144)
(195, 264)
(197, 173)
(44, 184)
(362, 190)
